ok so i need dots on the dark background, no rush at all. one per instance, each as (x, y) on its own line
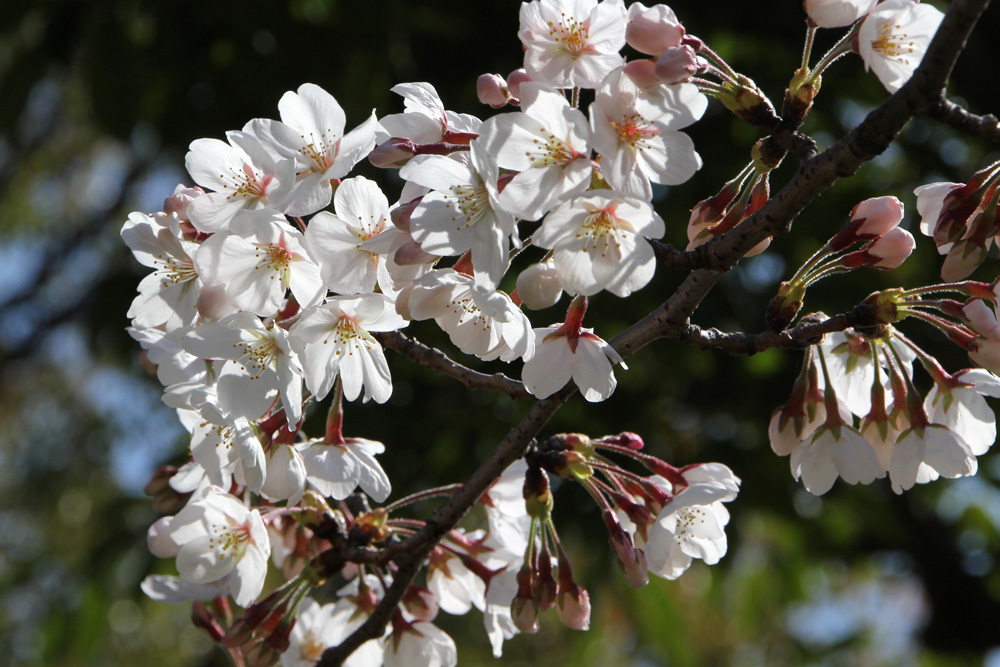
(98, 101)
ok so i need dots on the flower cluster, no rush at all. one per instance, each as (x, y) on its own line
(279, 277)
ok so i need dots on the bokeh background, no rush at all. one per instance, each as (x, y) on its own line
(98, 102)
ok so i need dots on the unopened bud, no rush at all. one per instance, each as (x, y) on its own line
(537, 494)
(514, 81)
(177, 203)
(539, 285)
(393, 152)
(202, 618)
(678, 64)
(400, 215)
(652, 30)
(877, 216)
(574, 608)
(892, 249)
(643, 73)
(492, 90)
(837, 13)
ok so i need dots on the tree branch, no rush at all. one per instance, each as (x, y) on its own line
(981, 127)
(437, 360)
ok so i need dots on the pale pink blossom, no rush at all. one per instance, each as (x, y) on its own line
(218, 536)
(652, 30)
(336, 470)
(924, 454)
(572, 43)
(491, 89)
(562, 355)
(311, 132)
(892, 249)
(539, 286)
(257, 261)
(599, 242)
(893, 38)
(334, 340)
(548, 143)
(242, 174)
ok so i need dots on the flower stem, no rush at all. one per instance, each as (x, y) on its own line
(423, 495)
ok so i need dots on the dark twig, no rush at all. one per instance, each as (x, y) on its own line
(437, 360)
(982, 127)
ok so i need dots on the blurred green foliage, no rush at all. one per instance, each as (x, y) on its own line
(98, 101)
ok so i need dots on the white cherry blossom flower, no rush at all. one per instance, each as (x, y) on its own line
(691, 525)
(422, 644)
(834, 450)
(242, 174)
(257, 261)
(263, 354)
(458, 589)
(315, 630)
(220, 536)
(479, 321)
(569, 352)
(169, 295)
(548, 143)
(173, 363)
(311, 132)
(963, 408)
(337, 469)
(598, 243)
(638, 139)
(334, 340)
(463, 211)
(425, 120)
(572, 43)
(165, 588)
(923, 454)
(893, 38)
(362, 213)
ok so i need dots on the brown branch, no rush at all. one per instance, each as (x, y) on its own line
(807, 332)
(437, 360)
(981, 127)
(671, 319)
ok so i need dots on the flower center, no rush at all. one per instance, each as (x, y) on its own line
(275, 258)
(633, 130)
(248, 184)
(229, 540)
(892, 45)
(174, 271)
(348, 336)
(258, 355)
(601, 230)
(471, 201)
(321, 151)
(571, 35)
(550, 151)
(688, 521)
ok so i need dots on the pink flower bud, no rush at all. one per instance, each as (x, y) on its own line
(393, 152)
(411, 254)
(652, 30)
(892, 249)
(574, 608)
(214, 304)
(492, 90)
(421, 603)
(643, 73)
(539, 286)
(678, 64)
(982, 318)
(179, 200)
(877, 216)
(514, 81)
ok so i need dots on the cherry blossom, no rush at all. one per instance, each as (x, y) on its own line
(311, 132)
(169, 295)
(337, 469)
(219, 536)
(336, 240)
(638, 137)
(837, 13)
(334, 341)
(242, 174)
(425, 120)
(463, 211)
(598, 243)
(962, 407)
(479, 321)
(548, 143)
(925, 453)
(569, 352)
(263, 355)
(257, 261)
(572, 42)
(893, 38)
(315, 630)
